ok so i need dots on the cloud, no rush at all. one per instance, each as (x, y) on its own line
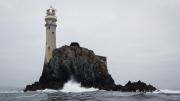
(139, 38)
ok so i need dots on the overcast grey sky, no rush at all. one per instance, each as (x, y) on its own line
(141, 38)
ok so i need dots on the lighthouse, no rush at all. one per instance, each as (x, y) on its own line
(50, 34)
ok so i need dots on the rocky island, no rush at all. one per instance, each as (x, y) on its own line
(87, 69)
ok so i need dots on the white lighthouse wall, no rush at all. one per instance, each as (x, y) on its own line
(50, 41)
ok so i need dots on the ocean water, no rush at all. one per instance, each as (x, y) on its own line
(73, 92)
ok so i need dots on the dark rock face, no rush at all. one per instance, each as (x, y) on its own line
(86, 68)
(81, 63)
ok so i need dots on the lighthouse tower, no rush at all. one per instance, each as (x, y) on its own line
(50, 33)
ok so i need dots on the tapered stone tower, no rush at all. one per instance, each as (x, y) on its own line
(50, 33)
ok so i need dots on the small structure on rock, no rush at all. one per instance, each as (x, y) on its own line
(75, 44)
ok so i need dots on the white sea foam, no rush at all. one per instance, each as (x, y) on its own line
(47, 91)
(72, 86)
(13, 91)
(167, 91)
(170, 91)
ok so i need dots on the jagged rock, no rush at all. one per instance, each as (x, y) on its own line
(138, 86)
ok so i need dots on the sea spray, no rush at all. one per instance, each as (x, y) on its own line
(73, 86)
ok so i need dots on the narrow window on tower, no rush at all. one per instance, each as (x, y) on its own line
(49, 47)
(52, 32)
(46, 42)
(49, 27)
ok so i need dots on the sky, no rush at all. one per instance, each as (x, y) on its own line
(140, 38)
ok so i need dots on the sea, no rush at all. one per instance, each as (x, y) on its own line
(73, 92)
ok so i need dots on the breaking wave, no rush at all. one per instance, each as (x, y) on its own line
(167, 91)
(73, 86)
